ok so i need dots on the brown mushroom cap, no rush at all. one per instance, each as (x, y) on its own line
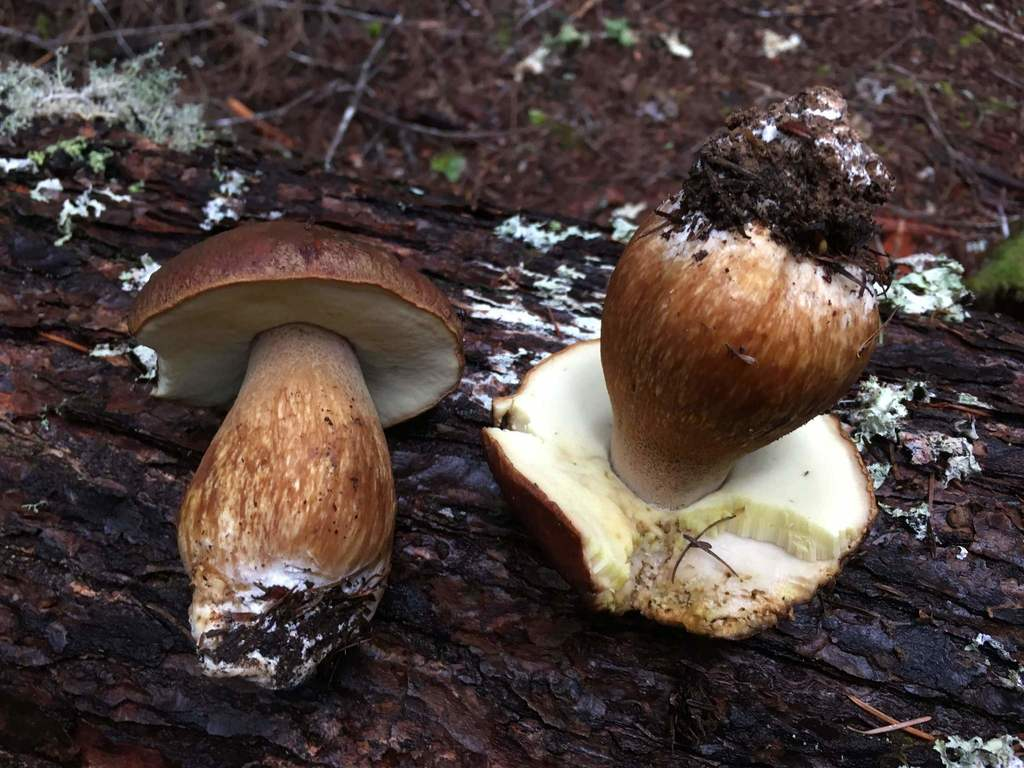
(202, 310)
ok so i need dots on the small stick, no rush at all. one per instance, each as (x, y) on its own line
(61, 340)
(887, 719)
(894, 727)
(694, 541)
(357, 94)
(271, 132)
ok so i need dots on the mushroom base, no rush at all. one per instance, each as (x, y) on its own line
(286, 528)
(727, 565)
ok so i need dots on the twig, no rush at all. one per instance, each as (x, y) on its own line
(75, 30)
(126, 49)
(583, 10)
(334, 86)
(271, 132)
(888, 719)
(694, 541)
(61, 340)
(992, 23)
(28, 37)
(357, 95)
(441, 133)
(905, 725)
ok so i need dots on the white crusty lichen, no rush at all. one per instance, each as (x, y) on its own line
(44, 191)
(135, 279)
(540, 235)
(1014, 676)
(879, 408)
(999, 752)
(135, 93)
(916, 518)
(81, 207)
(227, 204)
(146, 356)
(18, 165)
(934, 286)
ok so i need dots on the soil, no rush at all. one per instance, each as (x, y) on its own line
(935, 91)
(799, 168)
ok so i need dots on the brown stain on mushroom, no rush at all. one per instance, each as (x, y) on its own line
(684, 404)
(298, 477)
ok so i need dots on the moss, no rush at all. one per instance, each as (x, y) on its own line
(1000, 281)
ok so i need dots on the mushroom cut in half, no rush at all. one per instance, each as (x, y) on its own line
(317, 341)
(681, 466)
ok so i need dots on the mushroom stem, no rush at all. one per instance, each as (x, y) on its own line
(293, 498)
(666, 481)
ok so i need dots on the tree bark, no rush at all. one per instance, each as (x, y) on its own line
(480, 654)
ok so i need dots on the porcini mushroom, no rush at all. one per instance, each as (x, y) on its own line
(320, 340)
(680, 466)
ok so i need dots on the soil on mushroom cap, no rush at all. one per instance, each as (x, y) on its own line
(797, 167)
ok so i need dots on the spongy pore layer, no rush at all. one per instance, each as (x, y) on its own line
(780, 525)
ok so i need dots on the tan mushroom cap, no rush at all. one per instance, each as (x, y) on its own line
(202, 310)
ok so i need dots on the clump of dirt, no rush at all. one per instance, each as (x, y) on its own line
(799, 168)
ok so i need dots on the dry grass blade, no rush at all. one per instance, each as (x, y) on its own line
(64, 342)
(894, 727)
(888, 719)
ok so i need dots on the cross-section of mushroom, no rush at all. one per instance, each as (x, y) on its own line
(680, 467)
(319, 340)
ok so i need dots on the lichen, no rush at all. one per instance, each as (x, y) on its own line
(879, 408)
(934, 286)
(76, 148)
(878, 472)
(44, 191)
(966, 398)
(998, 752)
(227, 204)
(18, 165)
(624, 222)
(134, 93)
(540, 235)
(135, 278)
(916, 518)
(1014, 677)
(932, 447)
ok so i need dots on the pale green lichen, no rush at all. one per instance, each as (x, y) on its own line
(878, 472)
(934, 286)
(932, 447)
(624, 222)
(135, 93)
(76, 148)
(879, 408)
(966, 398)
(540, 235)
(916, 518)
(958, 752)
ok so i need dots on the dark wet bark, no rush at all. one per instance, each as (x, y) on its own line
(480, 655)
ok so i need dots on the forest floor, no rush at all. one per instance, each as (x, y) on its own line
(577, 108)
